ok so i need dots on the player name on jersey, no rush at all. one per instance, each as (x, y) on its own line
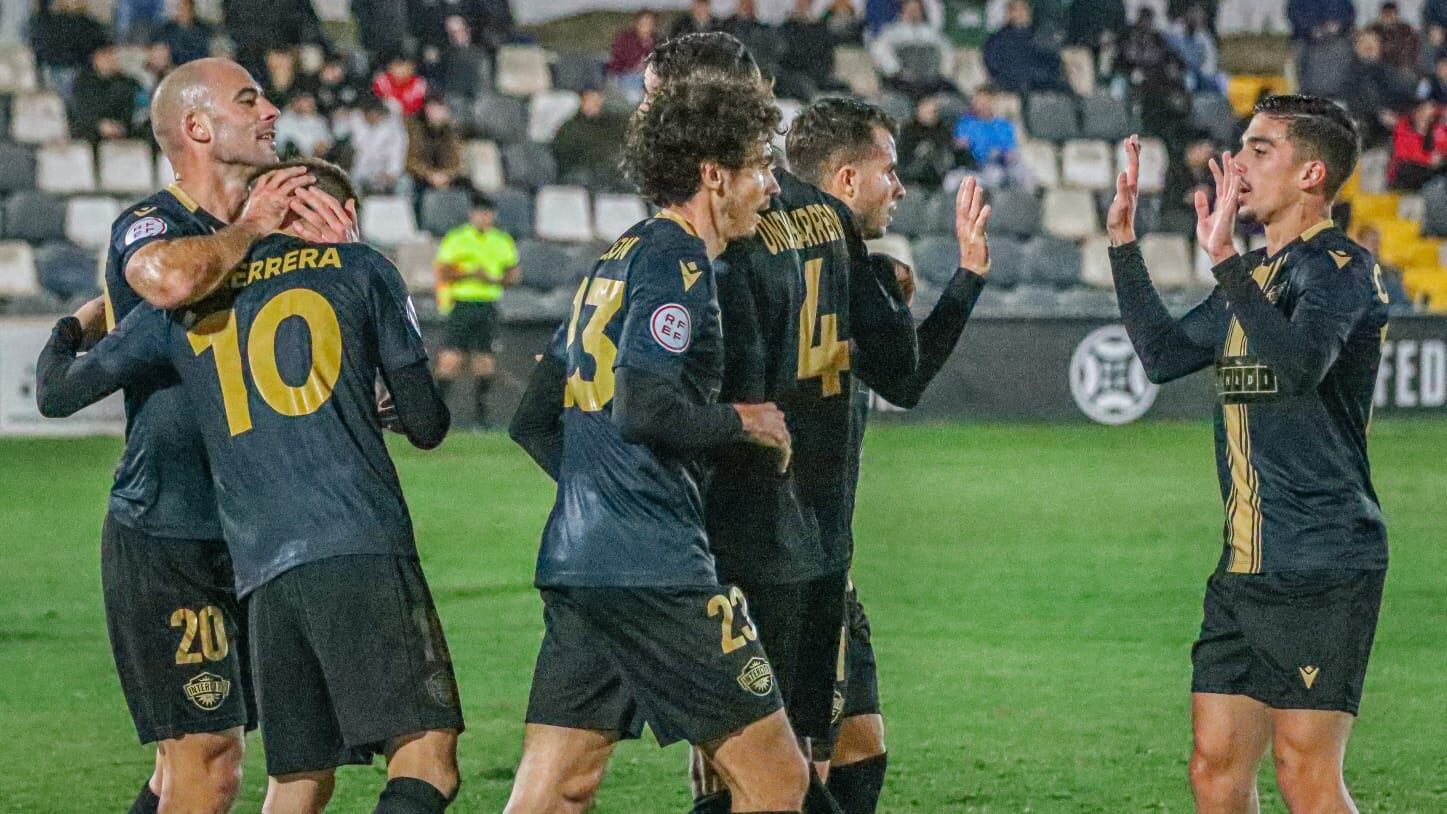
(811, 225)
(294, 260)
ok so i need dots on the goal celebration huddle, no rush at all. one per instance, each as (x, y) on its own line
(702, 412)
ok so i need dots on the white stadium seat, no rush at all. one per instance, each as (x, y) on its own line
(88, 220)
(548, 111)
(484, 165)
(615, 214)
(1095, 262)
(896, 246)
(1079, 70)
(414, 261)
(65, 168)
(36, 118)
(1154, 160)
(855, 68)
(164, 174)
(17, 69)
(970, 73)
(1087, 164)
(1042, 160)
(17, 269)
(1069, 214)
(388, 220)
(562, 213)
(1168, 257)
(126, 167)
(522, 70)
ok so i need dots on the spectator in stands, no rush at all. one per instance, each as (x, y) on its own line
(629, 53)
(1320, 19)
(926, 147)
(158, 63)
(134, 20)
(1375, 93)
(1194, 42)
(807, 63)
(64, 37)
(698, 20)
(1096, 24)
(426, 22)
(334, 88)
(1434, 15)
(382, 25)
(188, 37)
(434, 150)
(1183, 178)
(1017, 61)
(991, 140)
(1145, 54)
(301, 130)
(378, 144)
(761, 40)
(400, 86)
(258, 26)
(1399, 40)
(843, 23)
(492, 23)
(280, 77)
(458, 68)
(1434, 87)
(1419, 148)
(912, 54)
(587, 146)
(104, 99)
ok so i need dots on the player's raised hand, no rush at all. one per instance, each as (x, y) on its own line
(319, 218)
(764, 425)
(972, 216)
(1216, 226)
(270, 200)
(1120, 219)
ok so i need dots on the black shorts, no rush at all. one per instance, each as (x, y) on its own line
(686, 661)
(856, 691)
(177, 633)
(349, 654)
(799, 625)
(471, 327)
(1291, 640)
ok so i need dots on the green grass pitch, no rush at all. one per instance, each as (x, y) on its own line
(1034, 592)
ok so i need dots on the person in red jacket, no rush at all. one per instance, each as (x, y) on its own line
(631, 48)
(1419, 148)
(401, 85)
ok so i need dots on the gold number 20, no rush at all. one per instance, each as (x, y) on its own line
(211, 626)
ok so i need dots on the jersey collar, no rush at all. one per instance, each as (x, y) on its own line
(191, 206)
(669, 214)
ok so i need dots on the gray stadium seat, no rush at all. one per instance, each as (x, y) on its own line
(1095, 263)
(414, 260)
(522, 70)
(1087, 164)
(563, 214)
(1434, 196)
(514, 212)
(88, 220)
(37, 118)
(34, 216)
(855, 68)
(529, 165)
(1007, 261)
(17, 68)
(1051, 116)
(896, 105)
(547, 112)
(387, 220)
(1069, 214)
(1154, 162)
(1212, 113)
(65, 168)
(970, 73)
(442, 209)
(577, 71)
(912, 212)
(1014, 212)
(501, 118)
(66, 270)
(467, 73)
(1053, 262)
(17, 270)
(545, 266)
(936, 259)
(939, 215)
(1079, 64)
(1105, 117)
(484, 165)
(17, 167)
(1042, 159)
(126, 167)
(614, 214)
(1169, 259)
(896, 246)
(582, 257)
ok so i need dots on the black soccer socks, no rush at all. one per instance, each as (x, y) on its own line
(717, 803)
(856, 786)
(818, 800)
(408, 795)
(146, 802)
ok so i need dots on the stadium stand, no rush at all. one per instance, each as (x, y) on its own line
(388, 221)
(563, 214)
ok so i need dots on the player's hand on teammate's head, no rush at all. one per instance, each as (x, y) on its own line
(317, 217)
(972, 217)
(92, 319)
(764, 425)
(1120, 219)
(1216, 225)
(270, 200)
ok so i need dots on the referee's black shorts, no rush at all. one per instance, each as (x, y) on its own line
(471, 327)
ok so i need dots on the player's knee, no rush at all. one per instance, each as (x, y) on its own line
(448, 364)
(1304, 776)
(1215, 769)
(484, 365)
(206, 765)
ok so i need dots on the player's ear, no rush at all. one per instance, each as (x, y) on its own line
(846, 180)
(1313, 175)
(712, 176)
(196, 125)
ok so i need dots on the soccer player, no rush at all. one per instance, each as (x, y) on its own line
(638, 626)
(164, 567)
(1294, 332)
(346, 648)
(847, 149)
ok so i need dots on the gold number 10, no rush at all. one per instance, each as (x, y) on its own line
(218, 333)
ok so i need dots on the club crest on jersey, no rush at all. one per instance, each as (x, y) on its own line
(207, 691)
(143, 228)
(757, 676)
(671, 327)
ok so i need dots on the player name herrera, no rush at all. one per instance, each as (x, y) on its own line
(294, 260)
(800, 228)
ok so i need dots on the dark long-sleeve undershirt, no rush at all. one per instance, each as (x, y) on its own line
(649, 409)
(65, 384)
(881, 324)
(537, 426)
(1168, 348)
(421, 412)
(937, 335)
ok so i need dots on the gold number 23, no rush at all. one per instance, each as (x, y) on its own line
(724, 605)
(218, 333)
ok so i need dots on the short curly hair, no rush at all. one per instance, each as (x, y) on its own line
(832, 132)
(1319, 129)
(693, 121)
(705, 55)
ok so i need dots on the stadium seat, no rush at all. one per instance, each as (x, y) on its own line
(414, 260)
(1434, 196)
(387, 220)
(17, 167)
(443, 209)
(1095, 262)
(18, 276)
(126, 167)
(1042, 160)
(1105, 117)
(1069, 214)
(88, 220)
(545, 266)
(484, 165)
(522, 70)
(527, 305)
(1087, 165)
(514, 211)
(34, 216)
(1383, 206)
(548, 111)
(65, 168)
(939, 214)
(1244, 89)
(37, 118)
(912, 212)
(896, 246)
(563, 214)
(67, 270)
(1051, 116)
(501, 118)
(1168, 257)
(1409, 207)
(582, 257)
(897, 105)
(1014, 212)
(1212, 113)
(615, 214)
(936, 259)
(1007, 261)
(17, 69)
(970, 73)
(1009, 106)
(1079, 70)
(165, 175)
(1154, 163)
(855, 68)
(577, 71)
(466, 73)
(1372, 167)
(1054, 262)
(529, 165)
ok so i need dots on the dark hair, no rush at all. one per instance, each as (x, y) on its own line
(832, 132)
(482, 201)
(690, 122)
(331, 179)
(1319, 130)
(706, 55)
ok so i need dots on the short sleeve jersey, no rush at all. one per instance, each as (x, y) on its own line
(163, 481)
(630, 515)
(282, 367)
(492, 252)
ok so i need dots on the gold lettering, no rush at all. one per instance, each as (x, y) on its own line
(288, 261)
(253, 272)
(273, 267)
(308, 259)
(331, 258)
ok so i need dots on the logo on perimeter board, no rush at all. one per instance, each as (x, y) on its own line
(207, 691)
(1107, 379)
(757, 676)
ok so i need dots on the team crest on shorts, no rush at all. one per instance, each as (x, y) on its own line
(440, 689)
(207, 691)
(757, 676)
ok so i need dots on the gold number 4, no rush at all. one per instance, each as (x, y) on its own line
(606, 297)
(829, 357)
(218, 332)
(212, 628)
(724, 605)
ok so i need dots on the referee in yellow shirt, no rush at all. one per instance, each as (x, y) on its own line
(475, 262)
